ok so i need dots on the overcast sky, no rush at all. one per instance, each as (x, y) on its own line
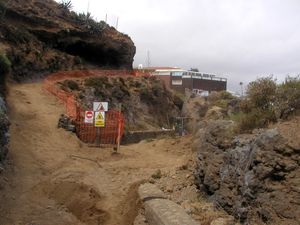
(238, 39)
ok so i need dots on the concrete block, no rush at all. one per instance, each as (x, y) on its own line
(149, 191)
(166, 212)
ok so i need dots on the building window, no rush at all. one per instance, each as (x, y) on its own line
(176, 82)
(177, 74)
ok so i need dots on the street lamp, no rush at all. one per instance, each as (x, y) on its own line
(242, 91)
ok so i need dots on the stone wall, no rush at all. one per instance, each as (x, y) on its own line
(137, 136)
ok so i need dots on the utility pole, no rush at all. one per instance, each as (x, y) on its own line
(106, 18)
(88, 7)
(117, 149)
(117, 23)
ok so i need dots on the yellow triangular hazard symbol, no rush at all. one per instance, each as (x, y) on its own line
(99, 116)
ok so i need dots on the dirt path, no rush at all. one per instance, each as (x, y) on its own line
(50, 181)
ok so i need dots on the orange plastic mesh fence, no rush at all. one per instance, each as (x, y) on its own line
(114, 129)
(88, 133)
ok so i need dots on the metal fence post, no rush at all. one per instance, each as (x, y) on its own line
(119, 127)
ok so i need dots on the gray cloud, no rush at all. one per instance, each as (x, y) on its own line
(240, 39)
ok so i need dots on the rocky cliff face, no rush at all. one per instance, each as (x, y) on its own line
(254, 177)
(4, 125)
(42, 36)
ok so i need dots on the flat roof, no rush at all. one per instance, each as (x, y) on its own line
(161, 68)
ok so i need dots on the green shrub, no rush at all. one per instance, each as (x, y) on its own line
(135, 83)
(5, 65)
(145, 94)
(202, 109)
(77, 60)
(157, 174)
(225, 95)
(257, 110)
(178, 101)
(288, 97)
(267, 102)
(246, 106)
(120, 92)
(215, 96)
(154, 79)
(3, 8)
(221, 99)
(255, 119)
(96, 82)
(125, 90)
(71, 84)
(262, 92)
(88, 22)
(117, 93)
(157, 90)
(66, 5)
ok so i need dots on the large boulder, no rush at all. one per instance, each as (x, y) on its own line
(255, 177)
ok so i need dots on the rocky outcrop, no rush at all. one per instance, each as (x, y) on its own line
(42, 36)
(255, 177)
(4, 125)
(147, 104)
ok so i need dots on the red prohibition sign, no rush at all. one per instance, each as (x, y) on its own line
(89, 114)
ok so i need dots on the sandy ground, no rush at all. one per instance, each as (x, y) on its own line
(54, 179)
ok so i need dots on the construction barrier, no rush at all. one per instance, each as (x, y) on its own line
(114, 128)
(111, 134)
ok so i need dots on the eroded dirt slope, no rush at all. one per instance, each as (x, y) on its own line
(54, 179)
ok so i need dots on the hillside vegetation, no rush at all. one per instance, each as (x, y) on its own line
(146, 103)
(265, 103)
(248, 151)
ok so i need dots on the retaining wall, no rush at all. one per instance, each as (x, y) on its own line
(161, 211)
(137, 136)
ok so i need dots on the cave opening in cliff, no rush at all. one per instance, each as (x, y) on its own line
(95, 54)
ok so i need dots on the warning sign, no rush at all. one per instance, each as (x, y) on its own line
(99, 119)
(89, 117)
(100, 106)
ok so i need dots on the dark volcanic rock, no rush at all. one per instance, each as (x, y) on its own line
(4, 125)
(256, 178)
(40, 36)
